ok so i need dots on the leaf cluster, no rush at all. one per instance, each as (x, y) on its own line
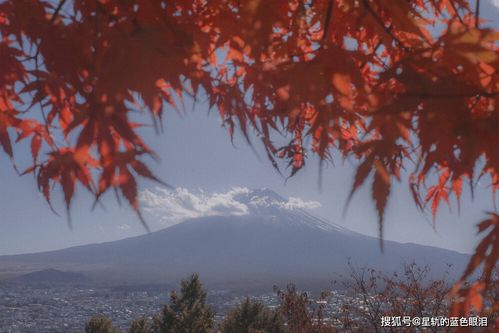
(371, 81)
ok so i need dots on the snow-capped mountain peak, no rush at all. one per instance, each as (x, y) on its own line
(180, 204)
(273, 207)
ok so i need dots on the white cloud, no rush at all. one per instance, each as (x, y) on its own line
(180, 204)
(297, 203)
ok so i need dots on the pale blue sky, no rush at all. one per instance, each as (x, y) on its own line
(196, 153)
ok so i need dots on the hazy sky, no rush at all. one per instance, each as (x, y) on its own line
(197, 155)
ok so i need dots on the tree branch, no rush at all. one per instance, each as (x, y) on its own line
(425, 95)
(457, 13)
(327, 22)
(380, 22)
(477, 14)
(57, 10)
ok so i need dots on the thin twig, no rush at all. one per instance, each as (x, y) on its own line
(57, 10)
(380, 22)
(477, 14)
(327, 22)
(373, 53)
(457, 13)
(445, 96)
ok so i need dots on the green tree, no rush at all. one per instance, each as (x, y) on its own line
(100, 324)
(140, 325)
(186, 313)
(251, 317)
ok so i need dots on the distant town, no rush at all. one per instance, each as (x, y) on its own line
(65, 308)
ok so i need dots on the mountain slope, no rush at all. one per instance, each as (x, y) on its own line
(269, 245)
(51, 276)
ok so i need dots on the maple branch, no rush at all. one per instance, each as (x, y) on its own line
(52, 19)
(477, 14)
(457, 13)
(39, 87)
(57, 10)
(327, 22)
(445, 96)
(380, 22)
(373, 53)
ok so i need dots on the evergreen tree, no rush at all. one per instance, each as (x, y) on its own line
(250, 317)
(100, 324)
(186, 313)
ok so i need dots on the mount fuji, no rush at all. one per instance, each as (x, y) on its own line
(273, 242)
